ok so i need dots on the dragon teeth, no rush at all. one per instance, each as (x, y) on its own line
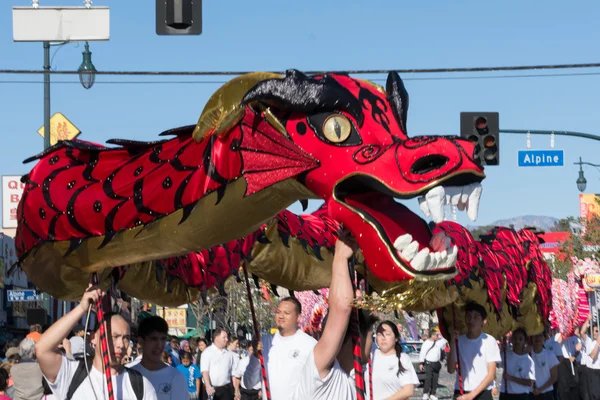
(462, 197)
(403, 241)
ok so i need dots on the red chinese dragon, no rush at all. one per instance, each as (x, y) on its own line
(173, 218)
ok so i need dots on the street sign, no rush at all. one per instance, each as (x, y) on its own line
(22, 295)
(541, 158)
(12, 189)
(60, 129)
(60, 24)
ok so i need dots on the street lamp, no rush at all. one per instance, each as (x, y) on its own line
(87, 71)
(581, 181)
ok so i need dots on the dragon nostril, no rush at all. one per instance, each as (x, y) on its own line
(428, 163)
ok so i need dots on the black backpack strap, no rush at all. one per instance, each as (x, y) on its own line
(78, 378)
(137, 383)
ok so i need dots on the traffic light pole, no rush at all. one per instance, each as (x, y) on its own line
(560, 133)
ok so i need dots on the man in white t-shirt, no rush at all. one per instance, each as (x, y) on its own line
(169, 382)
(430, 362)
(328, 372)
(286, 351)
(249, 380)
(546, 369)
(61, 372)
(592, 351)
(217, 365)
(479, 353)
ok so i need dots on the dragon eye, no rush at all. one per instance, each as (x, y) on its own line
(337, 128)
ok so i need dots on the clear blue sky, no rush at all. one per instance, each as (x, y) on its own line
(335, 35)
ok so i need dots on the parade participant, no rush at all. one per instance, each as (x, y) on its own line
(546, 369)
(64, 375)
(593, 365)
(568, 380)
(519, 375)
(393, 373)
(168, 382)
(192, 375)
(216, 366)
(479, 354)
(328, 371)
(286, 351)
(249, 376)
(430, 362)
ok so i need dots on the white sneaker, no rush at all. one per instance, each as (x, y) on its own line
(426, 397)
(432, 397)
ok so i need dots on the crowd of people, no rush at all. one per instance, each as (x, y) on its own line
(65, 362)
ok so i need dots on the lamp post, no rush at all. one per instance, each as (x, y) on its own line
(581, 181)
(87, 71)
(87, 77)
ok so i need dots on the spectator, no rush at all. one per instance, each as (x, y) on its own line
(5, 372)
(3, 387)
(166, 358)
(192, 375)
(26, 374)
(35, 332)
(78, 342)
(184, 347)
(174, 343)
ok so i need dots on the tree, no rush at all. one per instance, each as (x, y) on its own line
(583, 242)
(233, 311)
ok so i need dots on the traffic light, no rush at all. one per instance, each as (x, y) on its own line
(482, 128)
(178, 17)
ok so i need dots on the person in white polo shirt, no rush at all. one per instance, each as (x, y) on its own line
(328, 372)
(430, 362)
(519, 375)
(478, 353)
(546, 369)
(217, 366)
(286, 351)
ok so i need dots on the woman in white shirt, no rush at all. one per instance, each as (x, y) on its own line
(519, 373)
(393, 374)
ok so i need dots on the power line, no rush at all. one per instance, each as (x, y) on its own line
(350, 72)
(374, 80)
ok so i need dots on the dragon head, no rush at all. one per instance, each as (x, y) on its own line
(263, 142)
(366, 162)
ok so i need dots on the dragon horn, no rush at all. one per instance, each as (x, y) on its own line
(398, 98)
(224, 108)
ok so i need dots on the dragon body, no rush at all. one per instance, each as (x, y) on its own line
(173, 218)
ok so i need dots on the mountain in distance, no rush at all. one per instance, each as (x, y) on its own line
(539, 221)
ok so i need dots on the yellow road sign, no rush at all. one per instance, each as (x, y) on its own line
(60, 129)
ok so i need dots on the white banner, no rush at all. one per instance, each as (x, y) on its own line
(12, 189)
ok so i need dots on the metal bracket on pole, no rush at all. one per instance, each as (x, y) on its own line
(552, 140)
(528, 140)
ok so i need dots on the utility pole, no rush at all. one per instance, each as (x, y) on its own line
(46, 95)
